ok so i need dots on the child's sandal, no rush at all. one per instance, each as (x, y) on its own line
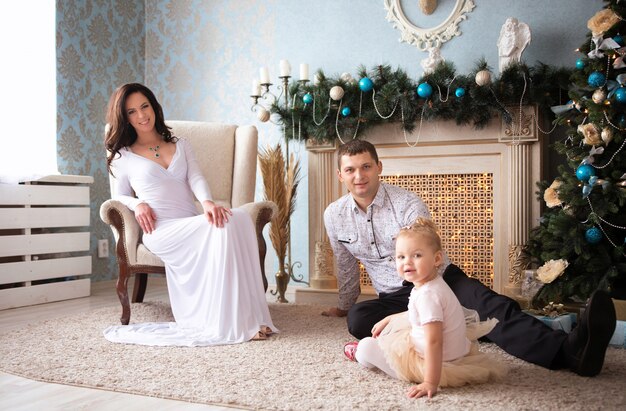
(349, 350)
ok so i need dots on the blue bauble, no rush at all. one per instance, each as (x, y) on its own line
(620, 95)
(424, 90)
(307, 98)
(346, 111)
(365, 84)
(580, 64)
(459, 92)
(619, 40)
(584, 171)
(593, 235)
(596, 79)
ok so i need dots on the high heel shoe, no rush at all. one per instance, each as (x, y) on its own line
(266, 330)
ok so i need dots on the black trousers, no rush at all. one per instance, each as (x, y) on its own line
(517, 333)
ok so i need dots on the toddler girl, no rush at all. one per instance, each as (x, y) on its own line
(431, 345)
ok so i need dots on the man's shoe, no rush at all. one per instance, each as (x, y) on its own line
(587, 343)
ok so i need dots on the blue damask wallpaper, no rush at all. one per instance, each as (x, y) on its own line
(100, 44)
(200, 56)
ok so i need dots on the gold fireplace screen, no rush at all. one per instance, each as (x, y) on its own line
(462, 207)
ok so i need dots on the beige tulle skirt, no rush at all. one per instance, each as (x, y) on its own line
(474, 368)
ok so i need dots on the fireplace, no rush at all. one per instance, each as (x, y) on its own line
(479, 186)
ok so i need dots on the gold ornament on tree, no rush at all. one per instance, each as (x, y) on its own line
(598, 96)
(607, 135)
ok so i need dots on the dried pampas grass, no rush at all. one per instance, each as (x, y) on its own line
(280, 184)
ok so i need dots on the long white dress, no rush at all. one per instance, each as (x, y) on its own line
(213, 274)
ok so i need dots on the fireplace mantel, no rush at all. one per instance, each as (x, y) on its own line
(512, 153)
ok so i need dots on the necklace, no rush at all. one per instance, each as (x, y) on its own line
(156, 151)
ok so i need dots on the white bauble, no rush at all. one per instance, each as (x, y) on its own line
(483, 77)
(336, 93)
(607, 135)
(598, 96)
(347, 77)
(263, 115)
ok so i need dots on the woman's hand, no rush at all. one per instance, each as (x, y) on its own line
(145, 217)
(380, 326)
(216, 214)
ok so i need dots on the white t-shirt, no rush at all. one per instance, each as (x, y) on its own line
(435, 301)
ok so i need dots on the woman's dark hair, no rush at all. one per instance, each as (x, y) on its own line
(119, 132)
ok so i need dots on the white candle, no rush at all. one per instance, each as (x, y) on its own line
(304, 71)
(256, 88)
(285, 68)
(265, 75)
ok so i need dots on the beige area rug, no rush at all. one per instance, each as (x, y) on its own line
(302, 368)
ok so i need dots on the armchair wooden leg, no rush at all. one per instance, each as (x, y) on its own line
(139, 290)
(262, 219)
(122, 293)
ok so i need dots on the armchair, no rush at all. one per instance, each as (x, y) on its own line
(227, 155)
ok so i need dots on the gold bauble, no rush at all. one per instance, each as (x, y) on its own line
(263, 115)
(607, 135)
(483, 77)
(598, 96)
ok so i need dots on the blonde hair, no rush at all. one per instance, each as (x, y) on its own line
(423, 227)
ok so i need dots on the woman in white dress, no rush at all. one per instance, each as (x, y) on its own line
(211, 259)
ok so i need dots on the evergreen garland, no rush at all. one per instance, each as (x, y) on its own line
(545, 86)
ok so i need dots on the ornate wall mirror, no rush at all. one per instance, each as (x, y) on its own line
(425, 38)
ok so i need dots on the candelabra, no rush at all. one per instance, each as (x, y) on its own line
(261, 91)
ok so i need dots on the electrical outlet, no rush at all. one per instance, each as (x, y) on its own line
(103, 248)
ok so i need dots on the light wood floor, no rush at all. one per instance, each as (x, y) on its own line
(22, 394)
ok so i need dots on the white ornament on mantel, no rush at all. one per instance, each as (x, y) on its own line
(430, 62)
(483, 77)
(336, 93)
(514, 38)
(347, 77)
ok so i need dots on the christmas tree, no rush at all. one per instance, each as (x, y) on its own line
(580, 242)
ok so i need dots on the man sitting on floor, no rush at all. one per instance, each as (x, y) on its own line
(362, 225)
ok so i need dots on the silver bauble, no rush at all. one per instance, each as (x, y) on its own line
(598, 96)
(263, 115)
(607, 135)
(483, 77)
(336, 93)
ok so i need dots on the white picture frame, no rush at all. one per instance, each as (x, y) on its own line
(426, 38)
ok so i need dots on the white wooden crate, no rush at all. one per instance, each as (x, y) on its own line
(44, 241)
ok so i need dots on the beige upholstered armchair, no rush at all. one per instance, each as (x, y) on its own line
(227, 155)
